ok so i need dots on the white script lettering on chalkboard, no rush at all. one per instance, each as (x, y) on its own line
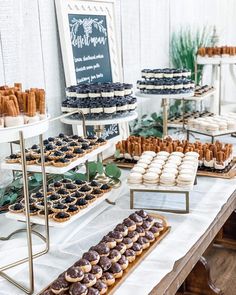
(86, 40)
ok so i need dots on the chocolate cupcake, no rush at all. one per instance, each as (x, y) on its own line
(74, 274)
(78, 289)
(84, 264)
(97, 271)
(92, 256)
(108, 278)
(116, 270)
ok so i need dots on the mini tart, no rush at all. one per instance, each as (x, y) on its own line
(49, 191)
(33, 210)
(40, 205)
(78, 195)
(37, 196)
(86, 189)
(27, 153)
(61, 216)
(80, 182)
(73, 209)
(74, 145)
(65, 180)
(29, 160)
(86, 148)
(37, 154)
(58, 207)
(31, 201)
(94, 184)
(63, 192)
(16, 208)
(71, 187)
(78, 152)
(90, 198)
(101, 141)
(41, 213)
(97, 192)
(71, 157)
(54, 198)
(56, 185)
(56, 156)
(67, 150)
(92, 138)
(13, 158)
(63, 162)
(47, 161)
(68, 200)
(105, 188)
(82, 203)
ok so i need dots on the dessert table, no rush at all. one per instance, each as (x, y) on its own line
(163, 271)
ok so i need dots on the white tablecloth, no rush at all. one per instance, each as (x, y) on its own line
(67, 244)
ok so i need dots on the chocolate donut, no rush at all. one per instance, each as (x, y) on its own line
(108, 278)
(97, 271)
(130, 224)
(89, 280)
(92, 256)
(78, 289)
(124, 262)
(114, 255)
(116, 235)
(121, 247)
(110, 242)
(59, 285)
(136, 218)
(84, 264)
(133, 235)
(105, 263)
(74, 274)
(123, 229)
(130, 255)
(116, 270)
(93, 291)
(142, 214)
(141, 231)
(102, 249)
(101, 286)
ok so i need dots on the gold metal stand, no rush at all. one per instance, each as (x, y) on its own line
(186, 194)
(164, 105)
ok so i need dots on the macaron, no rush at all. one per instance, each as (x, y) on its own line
(192, 154)
(185, 179)
(167, 179)
(150, 178)
(163, 153)
(138, 169)
(143, 165)
(170, 170)
(158, 161)
(144, 160)
(174, 159)
(160, 158)
(135, 178)
(149, 153)
(179, 154)
(170, 165)
(147, 157)
(156, 170)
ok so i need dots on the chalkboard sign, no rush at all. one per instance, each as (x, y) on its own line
(89, 41)
(110, 131)
(89, 45)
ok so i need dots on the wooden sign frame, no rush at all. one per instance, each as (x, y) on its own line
(81, 7)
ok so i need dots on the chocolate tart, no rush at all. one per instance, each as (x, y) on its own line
(59, 207)
(78, 152)
(71, 187)
(63, 192)
(29, 160)
(37, 196)
(16, 208)
(61, 216)
(80, 182)
(92, 138)
(37, 154)
(71, 157)
(82, 203)
(90, 198)
(66, 180)
(62, 162)
(13, 158)
(41, 213)
(97, 192)
(56, 155)
(78, 195)
(47, 161)
(40, 204)
(33, 210)
(74, 145)
(54, 198)
(56, 185)
(94, 184)
(31, 201)
(49, 191)
(68, 200)
(101, 141)
(67, 150)
(86, 189)
(73, 209)
(105, 188)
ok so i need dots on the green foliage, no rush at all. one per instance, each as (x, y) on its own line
(148, 126)
(184, 45)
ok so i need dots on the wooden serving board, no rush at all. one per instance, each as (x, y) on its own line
(138, 260)
(120, 164)
(226, 175)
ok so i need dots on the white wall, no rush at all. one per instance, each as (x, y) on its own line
(30, 51)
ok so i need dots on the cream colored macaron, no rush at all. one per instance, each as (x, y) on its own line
(150, 177)
(149, 153)
(163, 153)
(156, 170)
(170, 170)
(192, 154)
(138, 169)
(135, 178)
(144, 160)
(143, 165)
(185, 179)
(167, 179)
(179, 154)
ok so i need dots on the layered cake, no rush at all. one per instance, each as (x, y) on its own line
(216, 156)
(19, 107)
(223, 51)
(100, 100)
(213, 124)
(166, 81)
